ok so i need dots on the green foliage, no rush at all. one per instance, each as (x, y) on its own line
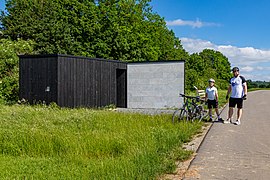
(9, 69)
(111, 29)
(258, 84)
(47, 142)
(205, 65)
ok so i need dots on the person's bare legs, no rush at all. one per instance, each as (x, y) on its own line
(230, 113)
(210, 113)
(217, 112)
(239, 113)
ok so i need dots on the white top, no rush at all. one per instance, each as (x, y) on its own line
(211, 92)
(237, 86)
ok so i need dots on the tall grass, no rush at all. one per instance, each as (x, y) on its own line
(45, 142)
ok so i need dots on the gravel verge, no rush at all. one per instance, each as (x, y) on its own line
(146, 111)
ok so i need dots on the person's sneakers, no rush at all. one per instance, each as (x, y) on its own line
(220, 119)
(210, 119)
(228, 121)
(237, 122)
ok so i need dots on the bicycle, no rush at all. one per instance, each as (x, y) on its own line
(190, 110)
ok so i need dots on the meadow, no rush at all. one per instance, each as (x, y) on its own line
(48, 142)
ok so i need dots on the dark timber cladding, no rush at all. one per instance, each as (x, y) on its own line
(73, 81)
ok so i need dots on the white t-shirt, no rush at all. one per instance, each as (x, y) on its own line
(237, 86)
(211, 92)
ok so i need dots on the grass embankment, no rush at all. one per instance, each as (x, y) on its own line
(51, 143)
(222, 98)
(257, 89)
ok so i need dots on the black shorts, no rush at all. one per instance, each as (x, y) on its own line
(212, 104)
(236, 101)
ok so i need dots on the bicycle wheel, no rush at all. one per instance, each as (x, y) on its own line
(204, 114)
(179, 115)
(195, 114)
(198, 113)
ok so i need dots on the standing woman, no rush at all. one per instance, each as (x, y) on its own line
(211, 98)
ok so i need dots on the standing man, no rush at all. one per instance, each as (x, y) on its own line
(238, 90)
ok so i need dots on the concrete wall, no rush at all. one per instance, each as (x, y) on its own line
(155, 84)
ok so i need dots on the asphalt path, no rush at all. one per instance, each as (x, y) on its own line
(237, 151)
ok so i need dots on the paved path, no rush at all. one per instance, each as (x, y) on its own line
(237, 152)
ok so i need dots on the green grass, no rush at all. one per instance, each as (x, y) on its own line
(40, 142)
(222, 98)
(257, 89)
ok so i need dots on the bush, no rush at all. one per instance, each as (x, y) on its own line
(9, 66)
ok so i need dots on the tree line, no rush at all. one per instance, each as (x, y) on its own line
(126, 30)
(258, 84)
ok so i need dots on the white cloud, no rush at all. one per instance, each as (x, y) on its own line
(193, 24)
(196, 45)
(247, 69)
(253, 63)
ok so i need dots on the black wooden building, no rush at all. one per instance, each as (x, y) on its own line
(72, 81)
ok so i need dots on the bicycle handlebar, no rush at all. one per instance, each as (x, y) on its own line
(192, 97)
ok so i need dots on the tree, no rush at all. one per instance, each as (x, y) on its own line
(208, 64)
(56, 27)
(112, 29)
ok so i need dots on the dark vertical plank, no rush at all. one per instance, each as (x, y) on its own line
(87, 83)
(74, 82)
(84, 75)
(102, 82)
(65, 80)
(60, 72)
(63, 97)
(62, 82)
(79, 84)
(95, 83)
(113, 83)
(71, 82)
(30, 92)
(91, 83)
(82, 87)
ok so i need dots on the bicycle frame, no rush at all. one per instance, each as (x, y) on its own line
(190, 110)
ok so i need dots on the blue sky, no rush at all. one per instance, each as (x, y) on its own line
(237, 28)
(2, 4)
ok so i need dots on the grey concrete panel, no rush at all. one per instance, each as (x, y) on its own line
(155, 84)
